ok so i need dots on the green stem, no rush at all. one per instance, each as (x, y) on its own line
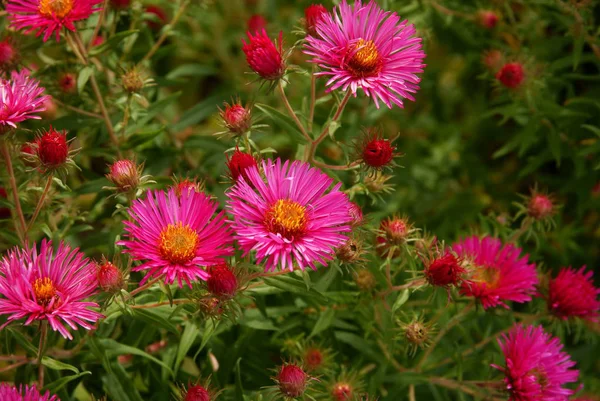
(314, 144)
(313, 98)
(40, 203)
(291, 112)
(42, 345)
(22, 229)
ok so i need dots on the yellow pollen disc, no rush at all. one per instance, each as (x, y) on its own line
(44, 291)
(489, 276)
(286, 217)
(178, 243)
(365, 59)
(57, 8)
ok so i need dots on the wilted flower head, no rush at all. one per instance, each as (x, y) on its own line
(24, 393)
(364, 47)
(495, 272)
(263, 57)
(291, 380)
(48, 285)
(511, 75)
(176, 236)
(573, 294)
(365, 280)
(351, 251)
(418, 334)
(295, 217)
(21, 98)
(536, 367)
(132, 80)
(48, 17)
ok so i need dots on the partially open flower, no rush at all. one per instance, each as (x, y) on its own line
(394, 232)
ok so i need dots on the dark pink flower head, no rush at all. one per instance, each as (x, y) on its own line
(511, 75)
(48, 17)
(21, 98)
(292, 218)
(48, 285)
(573, 294)
(364, 47)
(197, 393)
(176, 236)
(52, 149)
(222, 282)
(536, 368)
(495, 272)
(444, 271)
(24, 393)
(238, 165)
(257, 23)
(291, 380)
(263, 57)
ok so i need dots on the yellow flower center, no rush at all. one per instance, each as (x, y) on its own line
(287, 218)
(365, 60)
(178, 243)
(44, 291)
(56, 8)
(487, 275)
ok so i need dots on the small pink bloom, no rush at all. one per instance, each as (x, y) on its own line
(110, 278)
(573, 294)
(48, 285)
(124, 174)
(444, 271)
(24, 393)
(540, 206)
(237, 118)
(536, 367)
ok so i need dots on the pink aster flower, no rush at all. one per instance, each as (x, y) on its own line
(497, 272)
(49, 16)
(364, 47)
(176, 236)
(536, 368)
(48, 285)
(573, 294)
(20, 98)
(24, 393)
(292, 218)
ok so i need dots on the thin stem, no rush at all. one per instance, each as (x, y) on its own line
(22, 230)
(524, 227)
(291, 112)
(40, 202)
(78, 110)
(98, 25)
(14, 366)
(42, 345)
(390, 357)
(145, 286)
(314, 144)
(454, 385)
(157, 304)
(313, 98)
(334, 167)
(165, 33)
(453, 322)
(411, 284)
(411, 393)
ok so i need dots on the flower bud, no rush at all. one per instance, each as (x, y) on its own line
(342, 391)
(444, 271)
(196, 393)
(222, 282)
(237, 118)
(313, 358)
(511, 75)
(378, 182)
(9, 55)
(540, 206)
(492, 59)
(487, 19)
(291, 380)
(312, 15)
(187, 185)
(238, 165)
(67, 83)
(263, 57)
(365, 280)
(52, 149)
(110, 278)
(257, 23)
(125, 175)
(374, 150)
(132, 81)
(159, 17)
(357, 215)
(417, 334)
(157, 346)
(350, 252)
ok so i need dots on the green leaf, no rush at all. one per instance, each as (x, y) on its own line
(140, 138)
(283, 120)
(116, 348)
(120, 386)
(259, 324)
(190, 333)
(324, 322)
(112, 42)
(192, 70)
(401, 300)
(294, 285)
(154, 318)
(57, 365)
(56, 385)
(23, 342)
(239, 388)
(83, 77)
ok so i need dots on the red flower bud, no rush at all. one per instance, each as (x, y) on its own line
(52, 148)
(488, 19)
(540, 206)
(356, 214)
(110, 278)
(197, 393)
(155, 347)
(187, 185)
(291, 380)
(444, 271)
(263, 57)
(313, 358)
(257, 23)
(9, 55)
(124, 174)
(120, 4)
(238, 165)
(373, 150)
(511, 75)
(237, 118)
(67, 83)
(222, 282)
(492, 59)
(312, 15)
(159, 14)
(341, 392)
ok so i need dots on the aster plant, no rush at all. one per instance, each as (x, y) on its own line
(202, 200)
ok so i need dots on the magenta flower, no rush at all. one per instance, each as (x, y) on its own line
(49, 16)
(573, 294)
(20, 98)
(48, 285)
(536, 368)
(362, 46)
(24, 393)
(292, 218)
(176, 236)
(496, 272)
